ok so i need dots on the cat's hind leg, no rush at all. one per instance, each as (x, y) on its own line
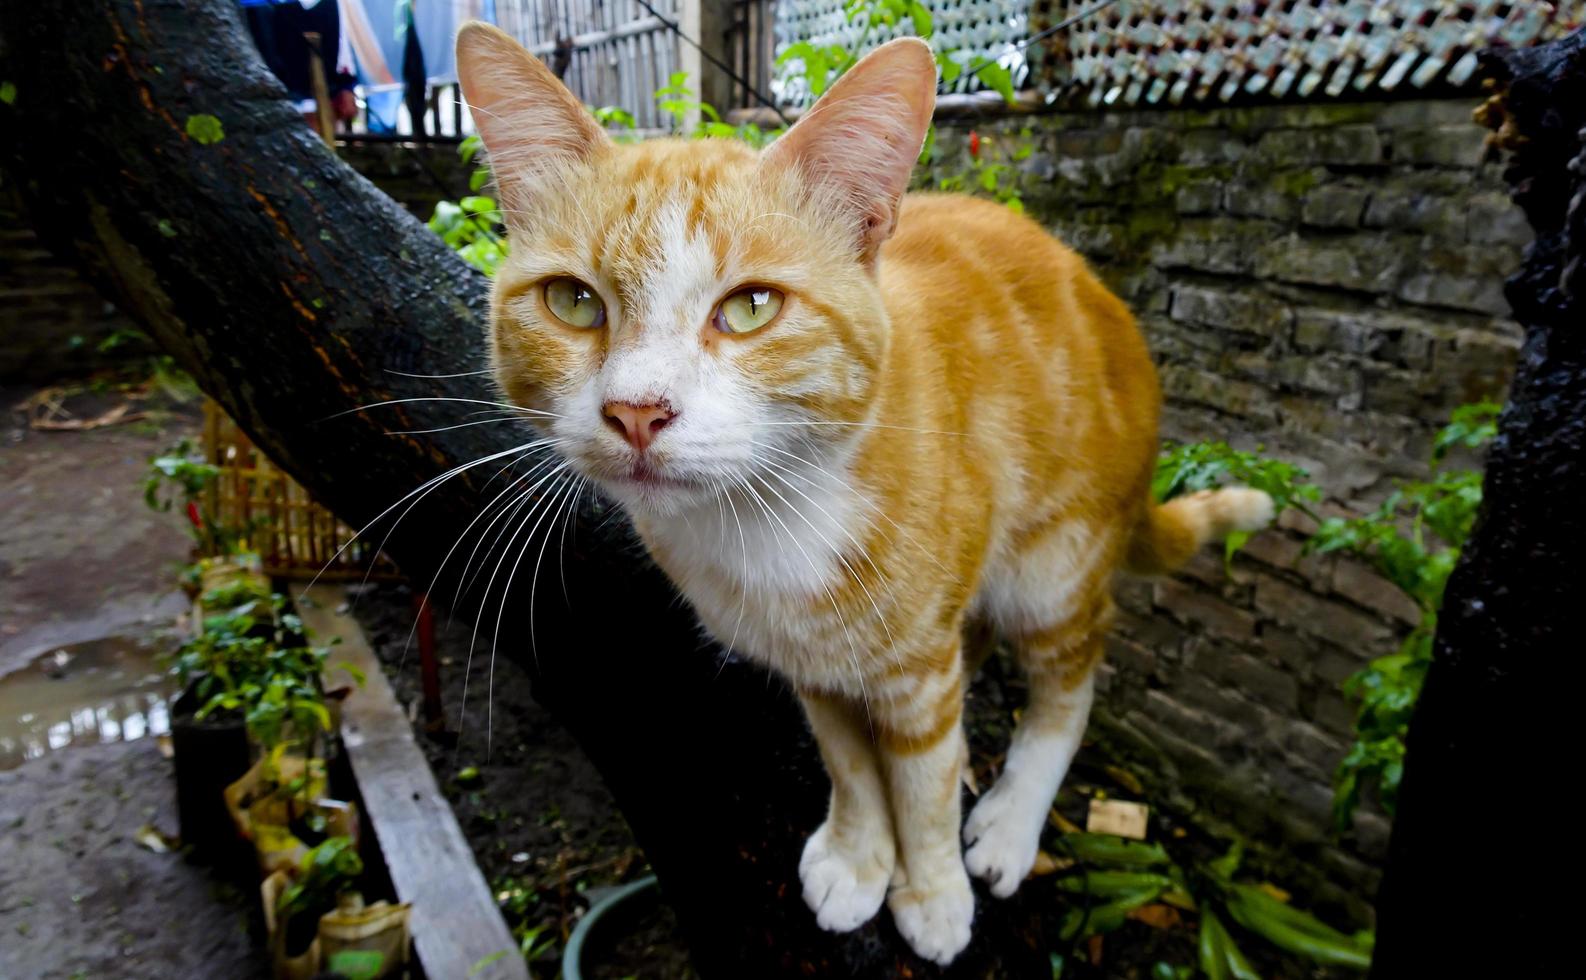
(1003, 832)
(848, 862)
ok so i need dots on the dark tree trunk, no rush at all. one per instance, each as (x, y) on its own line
(1480, 813)
(294, 291)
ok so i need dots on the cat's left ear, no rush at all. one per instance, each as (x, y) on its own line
(532, 127)
(863, 137)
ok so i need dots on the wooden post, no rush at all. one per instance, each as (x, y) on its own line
(325, 117)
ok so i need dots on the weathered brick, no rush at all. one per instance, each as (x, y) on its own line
(1334, 713)
(1261, 201)
(1213, 390)
(1257, 679)
(1335, 146)
(1199, 728)
(1199, 197)
(1365, 263)
(1335, 206)
(1317, 748)
(1329, 621)
(1414, 209)
(1361, 584)
(1247, 312)
(1492, 218)
(1454, 145)
(1207, 609)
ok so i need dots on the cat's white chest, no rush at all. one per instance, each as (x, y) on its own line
(759, 563)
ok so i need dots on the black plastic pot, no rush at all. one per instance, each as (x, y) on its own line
(210, 755)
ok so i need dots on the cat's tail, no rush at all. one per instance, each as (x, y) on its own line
(1168, 534)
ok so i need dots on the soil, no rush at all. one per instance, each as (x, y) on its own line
(543, 827)
(87, 592)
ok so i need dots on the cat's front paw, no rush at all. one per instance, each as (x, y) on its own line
(1002, 839)
(934, 916)
(844, 886)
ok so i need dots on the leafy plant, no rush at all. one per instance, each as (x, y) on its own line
(1118, 876)
(181, 475)
(991, 170)
(253, 659)
(326, 871)
(1413, 540)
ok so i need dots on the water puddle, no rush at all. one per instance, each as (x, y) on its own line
(106, 690)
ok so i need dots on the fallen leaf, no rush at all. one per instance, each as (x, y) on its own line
(1275, 892)
(1158, 916)
(1046, 864)
(150, 837)
(1093, 949)
(1126, 779)
(1064, 824)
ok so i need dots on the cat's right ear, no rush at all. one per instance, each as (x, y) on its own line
(532, 127)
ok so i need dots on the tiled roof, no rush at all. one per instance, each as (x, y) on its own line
(1218, 51)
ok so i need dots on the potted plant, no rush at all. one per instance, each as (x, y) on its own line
(295, 900)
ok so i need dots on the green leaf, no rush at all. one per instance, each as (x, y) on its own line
(997, 78)
(205, 129)
(8, 93)
(485, 961)
(951, 67)
(1220, 957)
(166, 228)
(1107, 849)
(1296, 931)
(1079, 923)
(1225, 866)
(1111, 884)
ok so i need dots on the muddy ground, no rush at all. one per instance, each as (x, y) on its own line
(82, 558)
(80, 555)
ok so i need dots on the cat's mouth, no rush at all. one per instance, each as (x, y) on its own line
(644, 476)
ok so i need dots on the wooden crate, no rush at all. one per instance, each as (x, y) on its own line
(294, 536)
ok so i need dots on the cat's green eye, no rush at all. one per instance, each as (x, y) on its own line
(574, 303)
(748, 309)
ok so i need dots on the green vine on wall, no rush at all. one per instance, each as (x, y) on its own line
(1413, 539)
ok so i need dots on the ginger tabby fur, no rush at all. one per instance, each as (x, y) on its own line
(948, 421)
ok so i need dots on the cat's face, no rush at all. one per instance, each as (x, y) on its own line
(686, 318)
(686, 314)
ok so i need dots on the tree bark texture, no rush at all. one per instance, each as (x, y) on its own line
(1475, 836)
(295, 291)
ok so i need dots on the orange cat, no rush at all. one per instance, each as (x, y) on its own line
(846, 423)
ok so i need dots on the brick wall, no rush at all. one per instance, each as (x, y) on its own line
(1323, 281)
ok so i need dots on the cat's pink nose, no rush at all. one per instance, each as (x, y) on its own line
(639, 424)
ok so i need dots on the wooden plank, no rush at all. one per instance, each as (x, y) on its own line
(456, 925)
